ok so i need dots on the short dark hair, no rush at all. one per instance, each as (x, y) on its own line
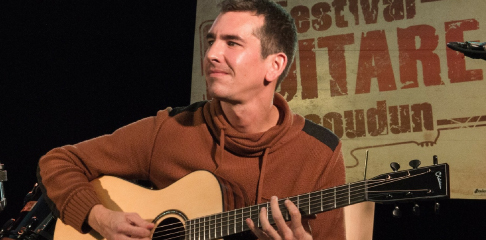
(278, 33)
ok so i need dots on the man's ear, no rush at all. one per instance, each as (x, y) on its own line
(277, 63)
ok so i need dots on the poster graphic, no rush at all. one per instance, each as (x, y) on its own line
(378, 73)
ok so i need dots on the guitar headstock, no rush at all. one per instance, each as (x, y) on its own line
(431, 182)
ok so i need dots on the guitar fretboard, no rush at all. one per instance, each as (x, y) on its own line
(232, 222)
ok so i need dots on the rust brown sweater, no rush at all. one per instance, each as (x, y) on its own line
(294, 157)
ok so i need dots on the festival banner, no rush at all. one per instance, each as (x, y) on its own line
(379, 74)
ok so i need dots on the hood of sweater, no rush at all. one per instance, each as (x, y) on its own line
(256, 144)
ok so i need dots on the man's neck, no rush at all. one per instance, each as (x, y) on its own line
(252, 117)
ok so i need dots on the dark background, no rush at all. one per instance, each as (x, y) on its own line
(74, 70)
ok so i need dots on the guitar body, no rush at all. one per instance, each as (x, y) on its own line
(197, 194)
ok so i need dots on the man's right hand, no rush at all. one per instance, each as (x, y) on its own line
(118, 225)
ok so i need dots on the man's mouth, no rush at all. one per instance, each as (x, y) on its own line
(216, 72)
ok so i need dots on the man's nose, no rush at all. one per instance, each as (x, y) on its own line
(214, 52)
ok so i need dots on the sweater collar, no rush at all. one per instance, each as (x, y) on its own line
(245, 144)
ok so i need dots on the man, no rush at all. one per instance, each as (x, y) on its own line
(246, 135)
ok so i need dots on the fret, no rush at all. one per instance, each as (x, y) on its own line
(349, 194)
(309, 204)
(208, 228)
(245, 213)
(204, 228)
(197, 232)
(229, 225)
(306, 206)
(258, 223)
(216, 222)
(234, 222)
(199, 229)
(315, 202)
(268, 209)
(221, 223)
(283, 209)
(287, 214)
(188, 231)
(342, 200)
(302, 203)
(366, 189)
(193, 226)
(242, 219)
(298, 201)
(334, 197)
(322, 205)
(257, 215)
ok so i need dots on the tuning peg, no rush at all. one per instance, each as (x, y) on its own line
(436, 160)
(397, 212)
(416, 209)
(414, 163)
(395, 166)
(28, 227)
(7, 226)
(437, 208)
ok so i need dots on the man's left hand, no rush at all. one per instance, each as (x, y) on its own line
(293, 231)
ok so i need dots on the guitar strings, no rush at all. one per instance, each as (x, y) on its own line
(320, 201)
(242, 211)
(198, 230)
(252, 210)
(209, 228)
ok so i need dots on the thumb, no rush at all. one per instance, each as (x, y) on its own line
(136, 220)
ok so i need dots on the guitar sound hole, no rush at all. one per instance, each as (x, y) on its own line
(169, 228)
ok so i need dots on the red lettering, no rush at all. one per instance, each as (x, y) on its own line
(374, 62)
(301, 16)
(455, 60)
(337, 61)
(314, 118)
(308, 68)
(410, 6)
(355, 130)
(377, 122)
(419, 112)
(338, 9)
(353, 8)
(377, 119)
(323, 20)
(394, 10)
(399, 122)
(288, 87)
(409, 55)
(370, 11)
(334, 122)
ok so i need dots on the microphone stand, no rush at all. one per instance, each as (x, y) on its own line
(3, 178)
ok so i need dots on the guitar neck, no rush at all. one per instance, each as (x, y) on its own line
(233, 222)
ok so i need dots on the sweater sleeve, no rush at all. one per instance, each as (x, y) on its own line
(64, 173)
(331, 225)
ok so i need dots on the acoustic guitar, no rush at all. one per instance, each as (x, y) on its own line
(193, 207)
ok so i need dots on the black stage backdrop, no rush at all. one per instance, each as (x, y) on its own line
(74, 70)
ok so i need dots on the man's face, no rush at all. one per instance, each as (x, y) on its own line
(234, 68)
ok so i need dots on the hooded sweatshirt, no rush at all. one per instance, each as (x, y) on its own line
(294, 157)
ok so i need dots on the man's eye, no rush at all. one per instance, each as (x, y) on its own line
(210, 42)
(232, 44)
